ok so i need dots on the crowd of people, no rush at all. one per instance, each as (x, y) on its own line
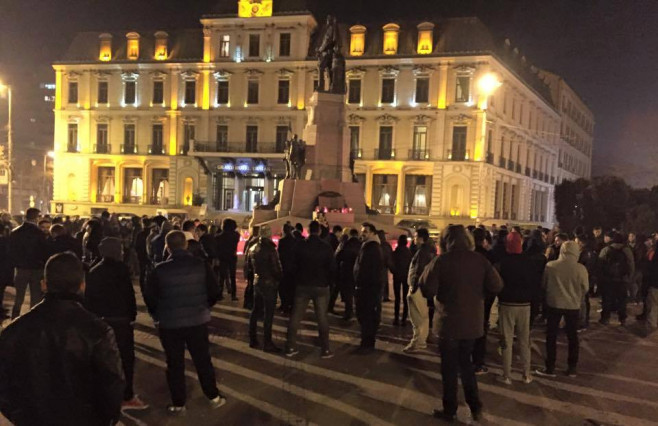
(80, 330)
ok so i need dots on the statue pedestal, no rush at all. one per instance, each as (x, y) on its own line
(300, 197)
(327, 141)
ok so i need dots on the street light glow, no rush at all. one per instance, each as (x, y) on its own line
(489, 83)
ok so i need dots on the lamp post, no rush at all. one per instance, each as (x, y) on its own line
(10, 146)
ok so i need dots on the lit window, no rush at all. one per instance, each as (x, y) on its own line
(388, 90)
(284, 92)
(422, 90)
(225, 46)
(102, 92)
(73, 92)
(105, 53)
(463, 89)
(252, 92)
(357, 40)
(391, 32)
(222, 92)
(161, 45)
(425, 38)
(354, 91)
(284, 44)
(133, 46)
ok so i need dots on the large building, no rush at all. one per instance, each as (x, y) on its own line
(444, 122)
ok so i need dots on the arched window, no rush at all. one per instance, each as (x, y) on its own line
(425, 38)
(188, 191)
(456, 200)
(357, 40)
(391, 32)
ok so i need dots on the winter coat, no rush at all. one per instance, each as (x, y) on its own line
(6, 268)
(346, 255)
(565, 280)
(521, 279)
(401, 262)
(180, 291)
(109, 291)
(286, 250)
(59, 365)
(314, 263)
(423, 256)
(265, 263)
(209, 246)
(604, 259)
(28, 248)
(227, 245)
(64, 243)
(370, 269)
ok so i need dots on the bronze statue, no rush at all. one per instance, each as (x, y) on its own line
(338, 85)
(325, 52)
(295, 158)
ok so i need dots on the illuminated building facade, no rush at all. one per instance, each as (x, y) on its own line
(443, 123)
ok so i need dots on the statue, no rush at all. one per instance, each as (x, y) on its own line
(338, 85)
(295, 157)
(325, 52)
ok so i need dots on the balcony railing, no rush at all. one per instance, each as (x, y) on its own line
(510, 165)
(502, 162)
(129, 148)
(156, 150)
(385, 154)
(237, 147)
(103, 148)
(459, 155)
(419, 154)
(490, 157)
(72, 148)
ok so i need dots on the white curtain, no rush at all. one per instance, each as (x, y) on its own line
(137, 188)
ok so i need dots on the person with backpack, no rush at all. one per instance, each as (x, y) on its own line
(616, 269)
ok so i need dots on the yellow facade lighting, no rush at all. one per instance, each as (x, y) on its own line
(357, 40)
(161, 52)
(425, 38)
(132, 44)
(205, 100)
(105, 51)
(391, 33)
(254, 8)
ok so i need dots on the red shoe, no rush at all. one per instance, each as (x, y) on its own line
(134, 404)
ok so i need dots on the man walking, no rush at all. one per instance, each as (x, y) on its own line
(459, 278)
(110, 295)
(28, 251)
(267, 274)
(314, 269)
(370, 274)
(179, 294)
(565, 281)
(59, 363)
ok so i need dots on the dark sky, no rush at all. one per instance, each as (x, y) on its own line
(606, 49)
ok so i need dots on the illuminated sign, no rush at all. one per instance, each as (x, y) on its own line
(254, 8)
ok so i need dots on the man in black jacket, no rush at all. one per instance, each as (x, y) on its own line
(110, 295)
(314, 268)
(61, 241)
(345, 256)
(286, 250)
(28, 251)
(267, 274)
(370, 274)
(59, 363)
(226, 243)
(179, 294)
(480, 348)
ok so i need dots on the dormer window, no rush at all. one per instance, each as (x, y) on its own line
(391, 32)
(357, 40)
(105, 53)
(161, 53)
(132, 47)
(425, 38)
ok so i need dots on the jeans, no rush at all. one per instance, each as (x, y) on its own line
(652, 307)
(264, 300)
(227, 276)
(369, 314)
(480, 347)
(22, 279)
(552, 326)
(123, 332)
(515, 319)
(287, 291)
(320, 298)
(456, 361)
(174, 342)
(419, 315)
(346, 291)
(613, 298)
(400, 290)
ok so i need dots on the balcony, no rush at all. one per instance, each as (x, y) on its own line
(534, 174)
(236, 147)
(459, 155)
(502, 162)
(419, 154)
(156, 150)
(518, 169)
(527, 171)
(490, 158)
(102, 148)
(128, 149)
(72, 148)
(510, 165)
(385, 154)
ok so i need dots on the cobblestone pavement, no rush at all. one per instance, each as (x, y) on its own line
(617, 381)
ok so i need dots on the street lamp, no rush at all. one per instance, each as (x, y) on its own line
(10, 146)
(487, 84)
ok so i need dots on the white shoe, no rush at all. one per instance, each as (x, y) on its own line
(504, 380)
(217, 401)
(527, 379)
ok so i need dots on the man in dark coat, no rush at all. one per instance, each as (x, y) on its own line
(267, 274)
(370, 274)
(110, 295)
(61, 241)
(179, 294)
(387, 250)
(480, 347)
(28, 251)
(286, 251)
(401, 262)
(314, 269)
(226, 243)
(59, 363)
(345, 256)
(459, 279)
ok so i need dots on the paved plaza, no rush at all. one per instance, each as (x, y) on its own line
(617, 381)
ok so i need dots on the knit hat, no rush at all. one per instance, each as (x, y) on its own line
(111, 248)
(265, 231)
(514, 243)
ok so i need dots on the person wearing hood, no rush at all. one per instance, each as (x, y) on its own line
(459, 279)
(521, 280)
(158, 243)
(566, 283)
(370, 275)
(616, 267)
(110, 295)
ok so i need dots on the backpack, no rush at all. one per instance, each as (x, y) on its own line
(616, 265)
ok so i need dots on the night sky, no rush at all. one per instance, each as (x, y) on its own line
(606, 49)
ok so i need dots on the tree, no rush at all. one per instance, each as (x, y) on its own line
(640, 219)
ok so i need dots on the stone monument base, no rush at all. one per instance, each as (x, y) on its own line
(300, 197)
